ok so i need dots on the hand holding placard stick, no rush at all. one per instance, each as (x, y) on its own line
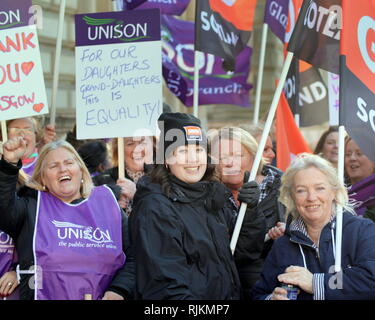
(262, 143)
(4, 132)
(120, 141)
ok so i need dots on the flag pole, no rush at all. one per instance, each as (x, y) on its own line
(262, 143)
(120, 140)
(340, 171)
(56, 68)
(297, 119)
(4, 132)
(196, 84)
(262, 55)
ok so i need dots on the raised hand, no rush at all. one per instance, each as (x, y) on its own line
(14, 149)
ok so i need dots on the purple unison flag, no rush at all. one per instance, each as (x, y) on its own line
(215, 85)
(362, 194)
(131, 4)
(176, 83)
(171, 7)
(276, 16)
(14, 13)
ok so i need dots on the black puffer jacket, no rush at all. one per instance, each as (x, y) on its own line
(181, 242)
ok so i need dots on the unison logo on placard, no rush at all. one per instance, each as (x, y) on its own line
(111, 29)
(71, 231)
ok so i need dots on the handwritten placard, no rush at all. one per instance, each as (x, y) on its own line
(334, 99)
(118, 74)
(22, 89)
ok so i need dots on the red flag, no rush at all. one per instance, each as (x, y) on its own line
(357, 70)
(293, 12)
(289, 140)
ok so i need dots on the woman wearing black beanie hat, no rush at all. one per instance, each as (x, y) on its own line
(182, 222)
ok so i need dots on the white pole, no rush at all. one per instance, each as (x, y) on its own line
(114, 5)
(262, 55)
(120, 140)
(297, 119)
(340, 171)
(4, 132)
(56, 68)
(262, 143)
(196, 84)
(121, 158)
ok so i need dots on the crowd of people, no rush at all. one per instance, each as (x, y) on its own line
(71, 229)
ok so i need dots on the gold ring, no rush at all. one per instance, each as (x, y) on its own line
(10, 284)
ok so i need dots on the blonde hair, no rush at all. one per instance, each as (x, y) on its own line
(240, 135)
(254, 129)
(35, 181)
(306, 161)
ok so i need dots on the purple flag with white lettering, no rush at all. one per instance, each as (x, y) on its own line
(362, 194)
(171, 7)
(131, 4)
(215, 85)
(276, 16)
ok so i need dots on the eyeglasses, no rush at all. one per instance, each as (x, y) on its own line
(21, 131)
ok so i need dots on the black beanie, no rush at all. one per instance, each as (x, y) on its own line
(179, 129)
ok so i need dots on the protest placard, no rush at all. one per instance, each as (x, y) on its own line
(118, 74)
(22, 89)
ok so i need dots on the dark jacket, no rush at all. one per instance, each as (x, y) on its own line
(17, 218)
(370, 213)
(272, 211)
(182, 241)
(358, 261)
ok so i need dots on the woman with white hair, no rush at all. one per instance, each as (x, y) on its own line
(305, 256)
(70, 236)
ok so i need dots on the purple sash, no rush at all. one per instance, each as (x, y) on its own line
(6, 252)
(77, 248)
(29, 168)
(7, 256)
(362, 194)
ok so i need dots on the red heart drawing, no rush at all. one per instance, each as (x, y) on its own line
(38, 107)
(27, 67)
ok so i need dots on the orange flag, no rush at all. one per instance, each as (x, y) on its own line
(289, 140)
